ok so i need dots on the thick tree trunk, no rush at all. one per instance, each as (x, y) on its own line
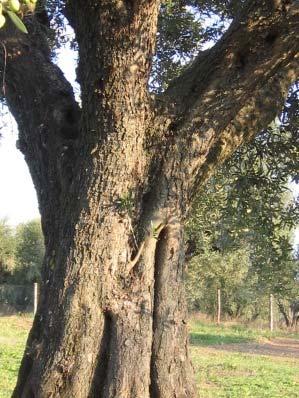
(105, 320)
(108, 333)
(115, 178)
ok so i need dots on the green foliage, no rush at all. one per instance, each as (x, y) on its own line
(21, 252)
(29, 252)
(247, 210)
(15, 10)
(7, 251)
(184, 28)
(180, 36)
(229, 271)
(17, 21)
(15, 297)
(238, 253)
(125, 203)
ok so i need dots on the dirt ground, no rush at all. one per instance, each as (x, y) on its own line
(281, 347)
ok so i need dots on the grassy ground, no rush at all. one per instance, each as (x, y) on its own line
(236, 375)
(219, 373)
(205, 333)
(13, 333)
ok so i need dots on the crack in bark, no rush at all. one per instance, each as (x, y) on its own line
(100, 378)
(154, 390)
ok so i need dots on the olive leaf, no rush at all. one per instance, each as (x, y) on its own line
(17, 21)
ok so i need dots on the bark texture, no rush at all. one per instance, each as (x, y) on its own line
(115, 178)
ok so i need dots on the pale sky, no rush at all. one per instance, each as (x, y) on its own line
(18, 201)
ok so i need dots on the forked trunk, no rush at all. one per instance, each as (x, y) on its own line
(115, 178)
(107, 325)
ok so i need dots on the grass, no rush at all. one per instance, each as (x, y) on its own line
(206, 333)
(219, 373)
(235, 375)
(13, 333)
(224, 374)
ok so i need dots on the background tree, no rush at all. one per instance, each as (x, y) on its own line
(29, 252)
(21, 253)
(228, 272)
(115, 178)
(248, 205)
(7, 251)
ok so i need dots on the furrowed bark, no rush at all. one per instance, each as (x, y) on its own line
(171, 370)
(43, 104)
(111, 322)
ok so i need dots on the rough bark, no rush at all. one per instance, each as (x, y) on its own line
(115, 180)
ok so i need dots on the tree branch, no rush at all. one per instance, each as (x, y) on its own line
(43, 104)
(233, 90)
(260, 36)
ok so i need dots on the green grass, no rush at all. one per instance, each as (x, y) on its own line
(219, 373)
(13, 334)
(205, 333)
(235, 375)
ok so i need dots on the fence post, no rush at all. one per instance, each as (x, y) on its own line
(36, 297)
(218, 306)
(271, 313)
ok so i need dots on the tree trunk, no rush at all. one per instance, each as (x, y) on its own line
(294, 309)
(109, 330)
(284, 313)
(115, 178)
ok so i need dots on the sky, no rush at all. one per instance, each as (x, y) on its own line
(18, 201)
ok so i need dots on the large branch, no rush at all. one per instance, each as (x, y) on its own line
(233, 90)
(116, 42)
(43, 104)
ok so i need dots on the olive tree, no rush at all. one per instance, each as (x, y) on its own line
(115, 176)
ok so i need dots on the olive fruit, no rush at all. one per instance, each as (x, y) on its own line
(14, 5)
(2, 20)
